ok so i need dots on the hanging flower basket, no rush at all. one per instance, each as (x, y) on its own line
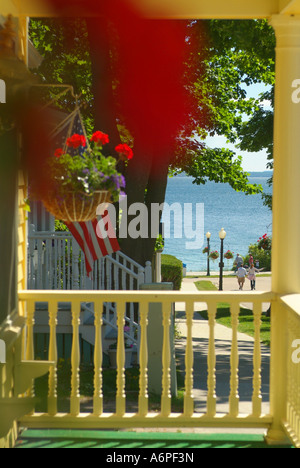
(214, 255)
(205, 250)
(82, 178)
(264, 242)
(228, 255)
(77, 207)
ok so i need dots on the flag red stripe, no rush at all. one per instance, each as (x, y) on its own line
(93, 245)
(88, 239)
(78, 238)
(99, 239)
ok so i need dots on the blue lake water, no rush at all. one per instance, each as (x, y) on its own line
(210, 207)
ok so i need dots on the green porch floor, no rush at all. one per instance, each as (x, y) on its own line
(35, 438)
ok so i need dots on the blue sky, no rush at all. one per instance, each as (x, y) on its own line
(252, 162)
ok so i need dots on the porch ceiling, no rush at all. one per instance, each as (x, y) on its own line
(233, 9)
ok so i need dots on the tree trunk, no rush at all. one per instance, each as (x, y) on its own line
(146, 174)
(144, 184)
(105, 113)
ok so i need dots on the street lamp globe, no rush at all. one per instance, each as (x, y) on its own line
(222, 234)
(208, 235)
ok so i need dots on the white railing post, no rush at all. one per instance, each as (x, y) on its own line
(141, 276)
(148, 272)
(157, 266)
(156, 335)
(75, 266)
(31, 259)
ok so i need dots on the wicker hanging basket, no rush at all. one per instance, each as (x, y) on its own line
(77, 207)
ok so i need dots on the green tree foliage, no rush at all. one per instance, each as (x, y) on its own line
(64, 48)
(241, 53)
(262, 256)
(224, 57)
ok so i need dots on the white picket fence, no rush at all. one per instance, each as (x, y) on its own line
(56, 262)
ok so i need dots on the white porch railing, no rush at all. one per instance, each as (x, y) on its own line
(99, 416)
(292, 423)
(56, 262)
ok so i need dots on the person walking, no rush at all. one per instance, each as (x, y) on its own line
(238, 261)
(241, 275)
(252, 277)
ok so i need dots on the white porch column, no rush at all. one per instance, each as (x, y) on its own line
(286, 184)
(286, 204)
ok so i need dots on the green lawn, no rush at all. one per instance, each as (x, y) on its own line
(86, 374)
(246, 323)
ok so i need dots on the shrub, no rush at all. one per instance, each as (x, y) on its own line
(171, 270)
(263, 256)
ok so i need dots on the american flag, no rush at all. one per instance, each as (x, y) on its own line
(96, 238)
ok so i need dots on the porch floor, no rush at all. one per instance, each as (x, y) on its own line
(50, 438)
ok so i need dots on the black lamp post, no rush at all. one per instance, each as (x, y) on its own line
(208, 238)
(222, 235)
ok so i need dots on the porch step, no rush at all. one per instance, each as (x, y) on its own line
(50, 438)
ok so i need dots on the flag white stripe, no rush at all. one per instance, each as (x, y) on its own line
(95, 241)
(86, 249)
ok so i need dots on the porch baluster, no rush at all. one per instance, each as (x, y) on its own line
(120, 397)
(189, 362)
(211, 361)
(98, 360)
(234, 362)
(143, 383)
(52, 395)
(166, 361)
(256, 397)
(75, 360)
(30, 343)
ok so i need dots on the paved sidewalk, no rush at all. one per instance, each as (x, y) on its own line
(263, 283)
(223, 336)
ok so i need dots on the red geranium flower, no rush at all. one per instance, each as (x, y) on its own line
(76, 140)
(58, 153)
(124, 151)
(100, 138)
